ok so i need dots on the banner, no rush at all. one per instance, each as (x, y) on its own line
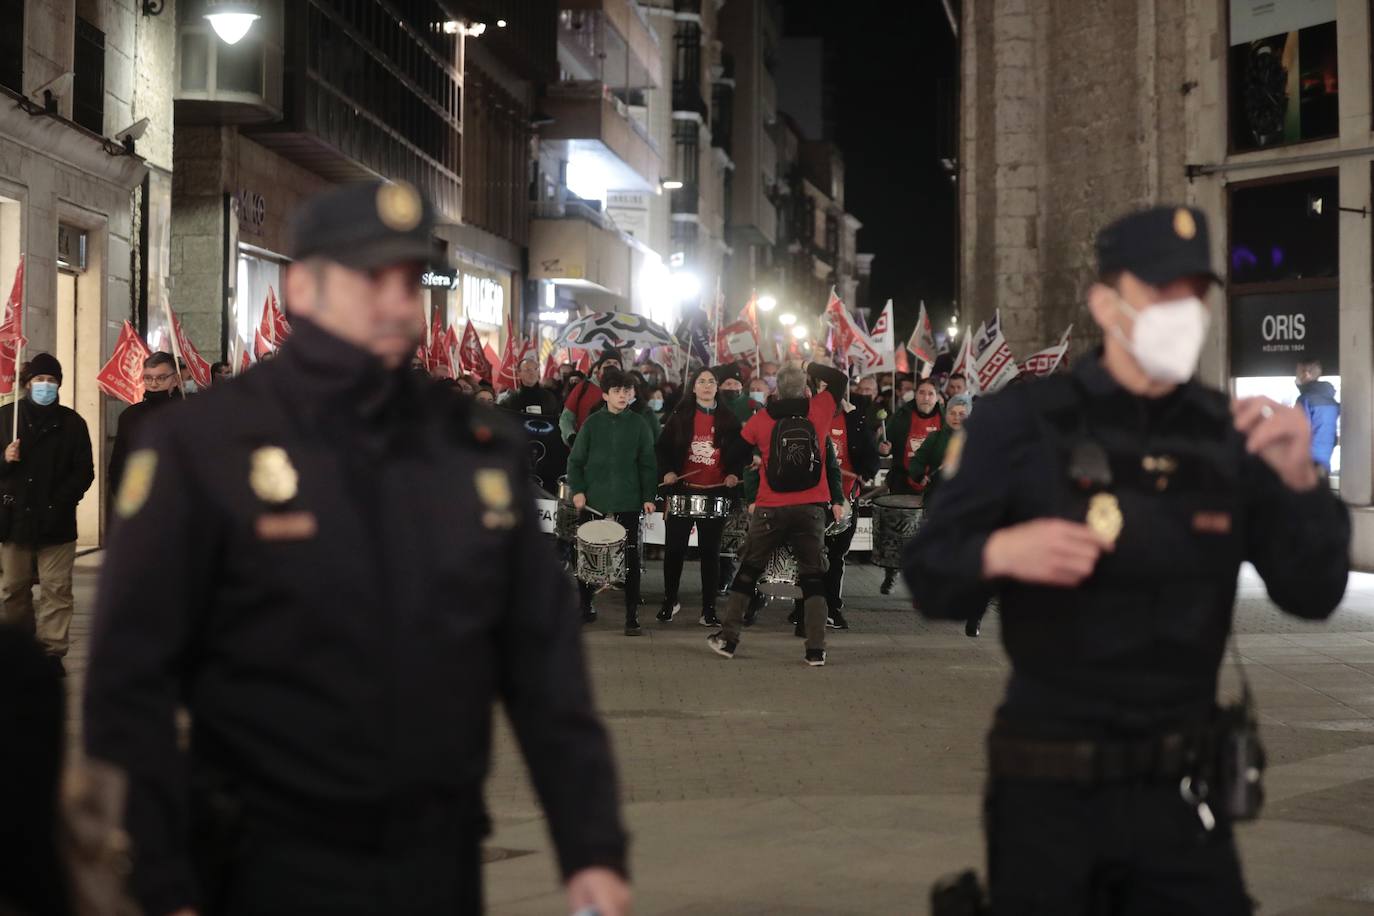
(1046, 361)
(922, 341)
(885, 342)
(200, 369)
(274, 326)
(472, 357)
(992, 358)
(122, 376)
(12, 332)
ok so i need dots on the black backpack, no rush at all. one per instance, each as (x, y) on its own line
(794, 458)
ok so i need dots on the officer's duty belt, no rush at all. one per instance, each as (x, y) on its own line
(1153, 759)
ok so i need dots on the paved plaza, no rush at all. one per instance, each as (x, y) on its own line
(761, 786)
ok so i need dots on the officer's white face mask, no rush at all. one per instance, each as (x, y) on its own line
(1166, 339)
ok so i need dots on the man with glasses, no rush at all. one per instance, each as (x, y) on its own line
(160, 387)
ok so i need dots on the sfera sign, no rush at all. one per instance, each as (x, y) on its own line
(439, 279)
(1271, 333)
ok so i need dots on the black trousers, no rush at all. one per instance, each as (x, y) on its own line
(836, 549)
(679, 532)
(279, 877)
(630, 521)
(1117, 850)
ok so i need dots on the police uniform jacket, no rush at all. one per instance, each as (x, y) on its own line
(1138, 644)
(338, 570)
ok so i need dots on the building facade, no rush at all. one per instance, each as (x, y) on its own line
(77, 203)
(1257, 112)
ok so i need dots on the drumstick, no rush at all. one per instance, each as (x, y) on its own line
(679, 477)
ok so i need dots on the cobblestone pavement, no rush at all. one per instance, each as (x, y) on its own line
(761, 786)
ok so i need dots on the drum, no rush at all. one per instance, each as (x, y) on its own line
(601, 552)
(736, 528)
(896, 519)
(699, 505)
(834, 529)
(565, 515)
(780, 575)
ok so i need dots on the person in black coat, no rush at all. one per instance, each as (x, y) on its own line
(699, 452)
(530, 396)
(321, 560)
(160, 388)
(45, 472)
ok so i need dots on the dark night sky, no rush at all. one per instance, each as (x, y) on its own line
(885, 62)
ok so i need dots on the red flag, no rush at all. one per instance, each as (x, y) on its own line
(200, 369)
(551, 373)
(261, 346)
(584, 362)
(244, 363)
(472, 357)
(506, 375)
(491, 358)
(12, 333)
(274, 326)
(122, 376)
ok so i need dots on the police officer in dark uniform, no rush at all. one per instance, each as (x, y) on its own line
(337, 568)
(1111, 509)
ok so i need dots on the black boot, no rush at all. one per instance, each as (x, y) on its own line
(889, 578)
(974, 626)
(632, 625)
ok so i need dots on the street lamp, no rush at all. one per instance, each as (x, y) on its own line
(787, 319)
(672, 184)
(685, 285)
(231, 20)
(799, 331)
(767, 303)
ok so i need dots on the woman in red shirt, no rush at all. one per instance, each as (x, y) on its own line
(700, 451)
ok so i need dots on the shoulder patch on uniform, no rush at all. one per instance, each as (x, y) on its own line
(953, 452)
(137, 483)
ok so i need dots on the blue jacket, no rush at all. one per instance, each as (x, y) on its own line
(1318, 401)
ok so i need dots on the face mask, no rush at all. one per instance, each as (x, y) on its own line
(1166, 339)
(771, 381)
(656, 404)
(908, 396)
(43, 393)
(729, 395)
(189, 386)
(760, 397)
(630, 401)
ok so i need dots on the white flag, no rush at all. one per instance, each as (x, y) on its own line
(883, 340)
(1046, 361)
(992, 359)
(922, 342)
(963, 363)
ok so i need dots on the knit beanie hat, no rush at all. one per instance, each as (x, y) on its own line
(45, 364)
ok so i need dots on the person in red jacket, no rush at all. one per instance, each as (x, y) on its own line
(793, 504)
(585, 397)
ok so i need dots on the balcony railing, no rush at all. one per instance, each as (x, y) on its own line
(687, 199)
(687, 97)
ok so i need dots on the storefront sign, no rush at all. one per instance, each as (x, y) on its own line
(484, 300)
(630, 211)
(439, 279)
(252, 211)
(1252, 20)
(1272, 332)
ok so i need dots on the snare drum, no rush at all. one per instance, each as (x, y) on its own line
(736, 528)
(699, 505)
(601, 552)
(896, 519)
(780, 575)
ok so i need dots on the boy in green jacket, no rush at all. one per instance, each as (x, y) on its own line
(613, 471)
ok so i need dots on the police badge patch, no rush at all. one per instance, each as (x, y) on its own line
(137, 482)
(272, 476)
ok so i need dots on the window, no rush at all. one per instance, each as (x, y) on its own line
(1283, 76)
(1284, 294)
(88, 88)
(12, 45)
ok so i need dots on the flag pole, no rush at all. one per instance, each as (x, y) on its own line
(176, 345)
(19, 349)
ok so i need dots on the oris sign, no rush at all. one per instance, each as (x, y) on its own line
(1272, 332)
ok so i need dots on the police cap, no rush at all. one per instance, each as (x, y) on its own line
(1158, 245)
(366, 226)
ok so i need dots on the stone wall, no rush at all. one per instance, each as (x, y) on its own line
(1073, 113)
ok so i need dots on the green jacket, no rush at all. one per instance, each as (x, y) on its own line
(613, 462)
(898, 425)
(930, 457)
(743, 407)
